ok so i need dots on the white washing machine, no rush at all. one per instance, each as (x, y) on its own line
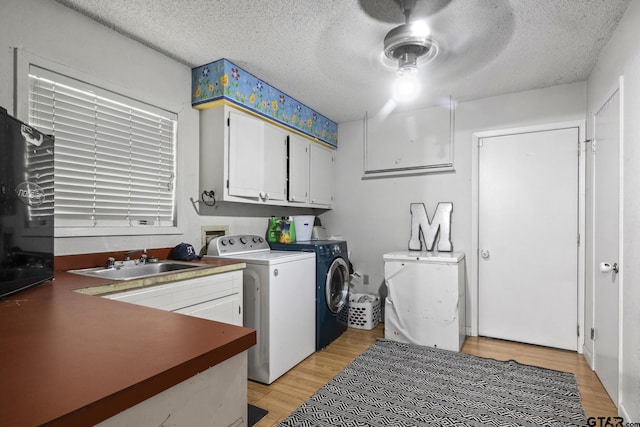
(425, 303)
(279, 302)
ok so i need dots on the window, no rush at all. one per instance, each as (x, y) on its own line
(114, 156)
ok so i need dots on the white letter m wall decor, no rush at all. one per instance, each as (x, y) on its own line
(440, 225)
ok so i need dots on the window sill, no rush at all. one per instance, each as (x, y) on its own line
(63, 232)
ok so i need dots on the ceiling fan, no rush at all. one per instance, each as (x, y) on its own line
(444, 40)
(409, 45)
(410, 42)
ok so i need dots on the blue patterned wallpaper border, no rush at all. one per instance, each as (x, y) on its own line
(222, 79)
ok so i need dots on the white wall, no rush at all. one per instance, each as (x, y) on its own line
(621, 57)
(373, 214)
(53, 35)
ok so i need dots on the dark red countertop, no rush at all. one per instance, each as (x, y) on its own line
(72, 359)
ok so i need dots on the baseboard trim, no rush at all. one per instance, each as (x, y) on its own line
(588, 355)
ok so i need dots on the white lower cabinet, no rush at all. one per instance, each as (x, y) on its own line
(216, 396)
(220, 392)
(216, 297)
(227, 310)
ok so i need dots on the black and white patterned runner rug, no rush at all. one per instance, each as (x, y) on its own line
(396, 384)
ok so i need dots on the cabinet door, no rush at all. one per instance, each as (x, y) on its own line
(275, 163)
(183, 294)
(227, 310)
(321, 175)
(298, 169)
(246, 155)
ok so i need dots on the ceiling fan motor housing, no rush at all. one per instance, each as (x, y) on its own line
(407, 44)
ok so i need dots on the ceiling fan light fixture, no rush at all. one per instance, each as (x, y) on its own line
(406, 87)
(407, 64)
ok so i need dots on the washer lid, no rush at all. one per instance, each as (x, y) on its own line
(267, 258)
(423, 256)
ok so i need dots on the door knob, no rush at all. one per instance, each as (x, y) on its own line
(607, 267)
(484, 253)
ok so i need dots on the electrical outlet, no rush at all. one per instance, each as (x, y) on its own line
(365, 279)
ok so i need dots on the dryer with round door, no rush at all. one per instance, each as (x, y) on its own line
(332, 286)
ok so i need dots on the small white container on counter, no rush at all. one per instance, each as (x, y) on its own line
(304, 227)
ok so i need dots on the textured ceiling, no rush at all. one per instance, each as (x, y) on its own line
(326, 53)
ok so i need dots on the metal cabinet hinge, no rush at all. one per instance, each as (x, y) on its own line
(593, 334)
(578, 331)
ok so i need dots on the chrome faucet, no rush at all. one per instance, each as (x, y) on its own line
(143, 256)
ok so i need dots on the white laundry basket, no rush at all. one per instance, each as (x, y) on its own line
(364, 311)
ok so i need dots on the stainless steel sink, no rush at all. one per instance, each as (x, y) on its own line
(137, 271)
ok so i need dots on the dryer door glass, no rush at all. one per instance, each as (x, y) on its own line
(337, 285)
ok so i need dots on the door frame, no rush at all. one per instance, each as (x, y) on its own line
(618, 86)
(475, 228)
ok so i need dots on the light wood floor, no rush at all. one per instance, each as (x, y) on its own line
(288, 392)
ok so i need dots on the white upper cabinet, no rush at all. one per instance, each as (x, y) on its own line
(257, 158)
(298, 169)
(246, 155)
(321, 175)
(244, 158)
(274, 164)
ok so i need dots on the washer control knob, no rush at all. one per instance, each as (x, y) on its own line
(232, 242)
(223, 242)
(243, 240)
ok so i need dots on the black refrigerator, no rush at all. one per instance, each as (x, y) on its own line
(26, 206)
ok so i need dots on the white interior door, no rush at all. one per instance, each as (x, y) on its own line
(528, 237)
(606, 243)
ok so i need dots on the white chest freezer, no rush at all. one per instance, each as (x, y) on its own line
(425, 303)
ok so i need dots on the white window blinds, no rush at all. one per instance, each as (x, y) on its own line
(114, 157)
